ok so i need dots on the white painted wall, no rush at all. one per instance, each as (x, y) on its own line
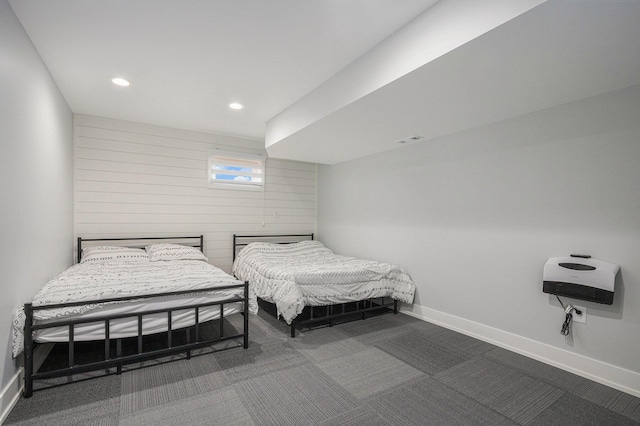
(134, 179)
(36, 182)
(474, 216)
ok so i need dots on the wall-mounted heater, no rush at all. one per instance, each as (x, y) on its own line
(580, 277)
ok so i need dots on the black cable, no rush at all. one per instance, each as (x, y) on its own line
(578, 311)
(567, 322)
(567, 318)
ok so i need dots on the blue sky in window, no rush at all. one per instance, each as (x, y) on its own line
(231, 176)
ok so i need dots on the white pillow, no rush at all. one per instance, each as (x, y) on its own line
(174, 252)
(112, 254)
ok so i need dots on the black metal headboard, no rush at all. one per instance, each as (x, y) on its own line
(239, 241)
(141, 242)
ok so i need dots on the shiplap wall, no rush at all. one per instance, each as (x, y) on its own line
(135, 179)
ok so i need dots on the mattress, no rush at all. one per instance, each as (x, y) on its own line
(293, 276)
(127, 278)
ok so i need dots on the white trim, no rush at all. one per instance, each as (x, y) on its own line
(11, 393)
(607, 374)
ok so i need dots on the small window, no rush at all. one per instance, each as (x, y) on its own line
(234, 170)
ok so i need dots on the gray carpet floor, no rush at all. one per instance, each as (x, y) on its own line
(386, 370)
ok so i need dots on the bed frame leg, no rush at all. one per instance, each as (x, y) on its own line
(28, 351)
(246, 313)
(246, 330)
(118, 355)
(188, 337)
(293, 330)
(395, 306)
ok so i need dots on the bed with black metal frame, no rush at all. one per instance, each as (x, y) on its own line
(191, 340)
(313, 316)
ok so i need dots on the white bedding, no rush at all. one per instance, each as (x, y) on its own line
(307, 273)
(92, 281)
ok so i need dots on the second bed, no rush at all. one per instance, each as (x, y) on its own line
(306, 274)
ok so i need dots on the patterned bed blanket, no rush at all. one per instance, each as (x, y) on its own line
(95, 281)
(307, 273)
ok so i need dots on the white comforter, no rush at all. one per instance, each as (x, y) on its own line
(94, 281)
(308, 273)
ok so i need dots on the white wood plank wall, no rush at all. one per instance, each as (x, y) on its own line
(135, 179)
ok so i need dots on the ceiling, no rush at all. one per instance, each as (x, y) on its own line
(188, 59)
(556, 53)
(333, 80)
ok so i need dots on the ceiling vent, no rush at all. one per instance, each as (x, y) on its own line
(410, 139)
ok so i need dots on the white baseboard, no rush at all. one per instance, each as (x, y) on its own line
(607, 374)
(11, 393)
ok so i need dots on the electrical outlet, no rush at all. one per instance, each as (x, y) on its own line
(582, 318)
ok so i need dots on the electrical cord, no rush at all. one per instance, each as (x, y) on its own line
(569, 310)
(567, 322)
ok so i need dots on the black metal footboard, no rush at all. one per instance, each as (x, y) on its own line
(329, 315)
(193, 338)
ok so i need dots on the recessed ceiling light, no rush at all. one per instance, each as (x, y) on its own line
(120, 82)
(236, 105)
